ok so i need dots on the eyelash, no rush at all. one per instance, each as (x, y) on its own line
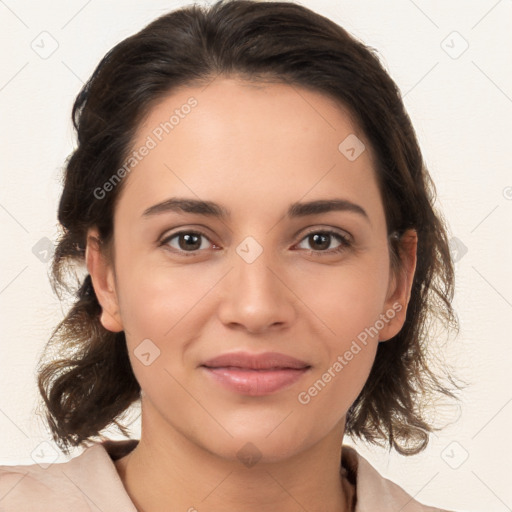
(345, 242)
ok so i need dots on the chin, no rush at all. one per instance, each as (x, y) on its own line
(250, 449)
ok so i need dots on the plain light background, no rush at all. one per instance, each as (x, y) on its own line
(452, 63)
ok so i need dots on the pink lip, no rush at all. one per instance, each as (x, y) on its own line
(255, 382)
(255, 374)
(264, 361)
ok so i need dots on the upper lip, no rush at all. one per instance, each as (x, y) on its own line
(263, 361)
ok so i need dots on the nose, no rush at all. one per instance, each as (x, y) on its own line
(256, 296)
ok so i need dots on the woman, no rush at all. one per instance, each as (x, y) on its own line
(263, 257)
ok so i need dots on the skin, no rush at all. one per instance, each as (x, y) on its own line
(254, 148)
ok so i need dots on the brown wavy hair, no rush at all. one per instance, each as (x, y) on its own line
(84, 375)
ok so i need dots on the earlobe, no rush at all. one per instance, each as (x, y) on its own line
(102, 277)
(399, 291)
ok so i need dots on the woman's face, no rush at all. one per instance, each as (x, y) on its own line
(263, 278)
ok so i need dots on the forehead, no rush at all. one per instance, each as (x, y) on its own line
(236, 141)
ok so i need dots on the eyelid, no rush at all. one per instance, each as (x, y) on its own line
(329, 229)
(178, 230)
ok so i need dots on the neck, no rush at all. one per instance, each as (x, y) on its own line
(170, 469)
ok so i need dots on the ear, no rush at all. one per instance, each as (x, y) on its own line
(400, 285)
(102, 276)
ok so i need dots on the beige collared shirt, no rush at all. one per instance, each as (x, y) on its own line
(90, 482)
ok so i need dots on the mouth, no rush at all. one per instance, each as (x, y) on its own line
(255, 375)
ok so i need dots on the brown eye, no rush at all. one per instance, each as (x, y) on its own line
(187, 242)
(320, 242)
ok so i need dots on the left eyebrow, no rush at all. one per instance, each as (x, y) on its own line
(211, 209)
(325, 206)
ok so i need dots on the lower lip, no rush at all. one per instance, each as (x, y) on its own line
(256, 382)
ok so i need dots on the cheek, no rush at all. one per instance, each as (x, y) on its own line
(349, 346)
(335, 386)
(349, 302)
(346, 299)
(163, 309)
(154, 297)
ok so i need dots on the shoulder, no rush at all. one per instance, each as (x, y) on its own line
(374, 492)
(35, 488)
(81, 484)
